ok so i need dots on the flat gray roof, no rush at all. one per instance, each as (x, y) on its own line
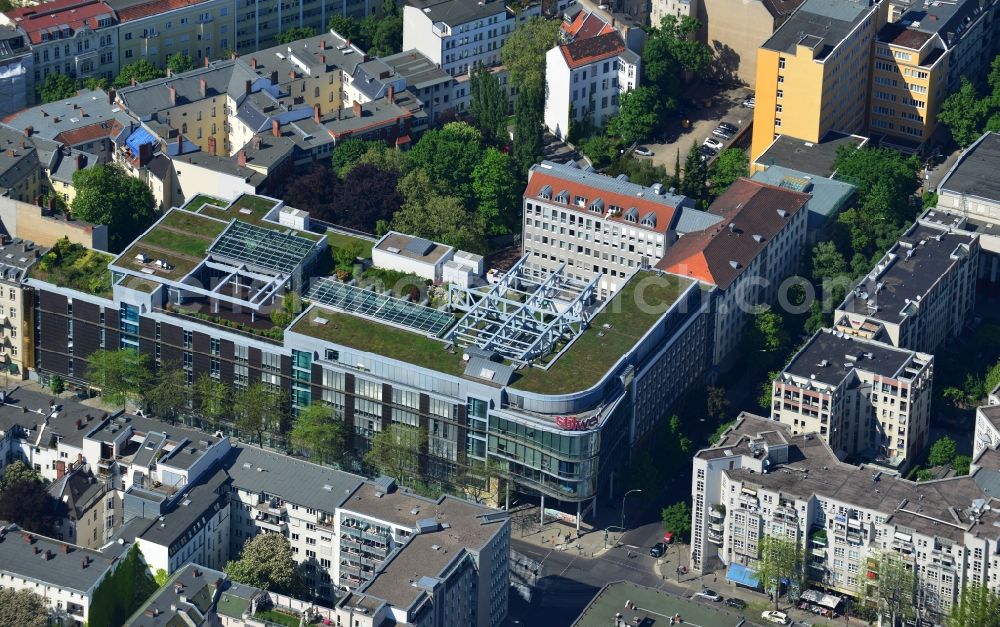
(417, 69)
(819, 23)
(62, 426)
(921, 260)
(455, 12)
(834, 348)
(975, 173)
(812, 158)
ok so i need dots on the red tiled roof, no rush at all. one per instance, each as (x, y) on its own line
(586, 25)
(100, 130)
(753, 210)
(52, 16)
(140, 11)
(584, 51)
(540, 178)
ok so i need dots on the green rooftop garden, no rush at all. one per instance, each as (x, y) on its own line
(181, 238)
(630, 314)
(201, 200)
(375, 337)
(76, 267)
(341, 240)
(278, 618)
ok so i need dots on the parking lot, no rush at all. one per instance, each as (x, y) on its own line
(705, 108)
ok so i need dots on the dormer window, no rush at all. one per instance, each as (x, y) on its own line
(632, 215)
(649, 220)
(563, 197)
(580, 201)
(597, 206)
(545, 193)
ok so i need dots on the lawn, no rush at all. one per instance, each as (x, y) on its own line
(277, 617)
(339, 240)
(201, 200)
(192, 245)
(630, 314)
(381, 339)
(194, 224)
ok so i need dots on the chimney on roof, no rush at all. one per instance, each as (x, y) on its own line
(257, 143)
(241, 158)
(249, 86)
(357, 109)
(206, 61)
(202, 85)
(28, 131)
(276, 128)
(347, 42)
(145, 154)
(322, 59)
(80, 161)
(180, 144)
(274, 77)
(253, 63)
(291, 75)
(83, 563)
(111, 96)
(234, 56)
(173, 95)
(340, 111)
(52, 203)
(133, 81)
(83, 113)
(390, 93)
(211, 146)
(316, 113)
(170, 72)
(65, 549)
(322, 44)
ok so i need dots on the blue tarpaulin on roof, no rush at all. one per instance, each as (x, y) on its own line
(742, 576)
(137, 138)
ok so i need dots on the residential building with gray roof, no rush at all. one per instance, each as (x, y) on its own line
(763, 479)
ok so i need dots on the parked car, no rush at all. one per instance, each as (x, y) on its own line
(668, 537)
(713, 143)
(658, 550)
(643, 151)
(749, 102)
(776, 617)
(732, 128)
(739, 604)
(711, 595)
(722, 134)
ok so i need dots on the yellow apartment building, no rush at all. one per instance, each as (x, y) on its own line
(908, 84)
(813, 73)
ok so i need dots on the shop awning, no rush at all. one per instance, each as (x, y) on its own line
(819, 598)
(742, 576)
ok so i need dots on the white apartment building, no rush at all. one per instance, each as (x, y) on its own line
(761, 479)
(920, 293)
(458, 35)
(755, 243)
(864, 398)
(660, 9)
(586, 74)
(66, 576)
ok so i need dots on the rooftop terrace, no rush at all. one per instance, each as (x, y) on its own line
(76, 267)
(180, 238)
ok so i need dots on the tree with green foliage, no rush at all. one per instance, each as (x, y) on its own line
(123, 591)
(57, 385)
(767, 391)
(677, 519)
(96, 82)
(385, 158)
(768, 333)
(895, 590)
(213, 397)
(449, 155)
(267, 562)
(121, 375)
(942, 452)
(489, 105)
(523, 54)
(57, 86)
(346, 154)
(638, 115)
(347, 255)
(827, 262)
(140, 71)
(161, 577)
(258, 409)
(978, 606)
(731, 164)
(23, 608)
(965, 113)
(26, 501)
(695, 175)
(294, 34)
(529, 139)
(169, 395)
(347, 27)
(441, 218)
(671, 50)
(780, 559)
(961, 464)
(180, 62)
(497, 192)
(716, 403)
(383, 31)
(396, 451)
(106, 194)
(601, 150)
(675, 178)
(721, 430)
(320, 430)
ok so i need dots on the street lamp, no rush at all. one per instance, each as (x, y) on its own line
(625, 496)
